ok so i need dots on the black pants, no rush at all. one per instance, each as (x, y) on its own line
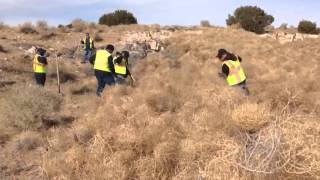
(103, 78)
(40, 78)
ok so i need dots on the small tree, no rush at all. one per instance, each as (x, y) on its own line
(205, 23)
(118, 17)
(307, 27)
(251, 18)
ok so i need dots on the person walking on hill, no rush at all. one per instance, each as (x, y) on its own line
(121, 63)
(88, 46)
(232, 70)
(40, 66)
(103, 68)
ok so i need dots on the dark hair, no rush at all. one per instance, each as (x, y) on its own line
(125, 54)
(110, 47)
(118, 53)
(41, 51)
(231, 56)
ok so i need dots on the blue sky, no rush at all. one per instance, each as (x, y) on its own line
(164, 12)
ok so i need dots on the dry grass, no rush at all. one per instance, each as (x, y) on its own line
(42, 26)
(251, 117)
(98, 38)
(2, 49)
(79, 25)
(180, 121)
(33, 105)
(28, 28)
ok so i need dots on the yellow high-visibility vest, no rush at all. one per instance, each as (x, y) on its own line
(37, 66)
(236, 72)
(120, 69)
(101, 61)
(85, 43)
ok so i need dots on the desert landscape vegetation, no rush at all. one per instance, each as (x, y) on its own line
(179, 121)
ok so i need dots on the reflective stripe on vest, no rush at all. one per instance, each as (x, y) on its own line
(85, 43)
(101, 62)
(37, 66)
(236, 72)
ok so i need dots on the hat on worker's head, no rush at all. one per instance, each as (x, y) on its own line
(221, 52)
(110, 48)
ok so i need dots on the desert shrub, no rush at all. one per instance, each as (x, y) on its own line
(26, 107)
(2, 49)
(92, 25)
(61, 26)
(283, 26)
(47, 35)
(26, 141)
(28, 28)
(251, 117)
(118, 17)
(3, 26)
(307, 27)
(78, 25)
(205, 23)
(251, 18)
(69, 26)
(83, 90)
(42, 25)
(98, 38)
(167, 101)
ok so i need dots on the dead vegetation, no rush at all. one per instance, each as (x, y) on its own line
(180, 121)
(28, 28)
(2, 49)
(98, 38)
(26, 108)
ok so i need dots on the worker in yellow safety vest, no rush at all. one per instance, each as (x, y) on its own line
(232, 70)
(121, 62)
(103, 68)
(40, 66)
(88, 47)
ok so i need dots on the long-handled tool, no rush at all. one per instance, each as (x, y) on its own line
(132, 80)
(58, 74)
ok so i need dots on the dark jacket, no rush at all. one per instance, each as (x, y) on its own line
(42, 60)
(87, 45)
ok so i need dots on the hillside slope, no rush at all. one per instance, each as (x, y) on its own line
(180, 121)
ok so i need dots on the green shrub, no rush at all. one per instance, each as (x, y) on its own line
(118, 17)
(251, 18)
(307, 27)
(26, 107)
